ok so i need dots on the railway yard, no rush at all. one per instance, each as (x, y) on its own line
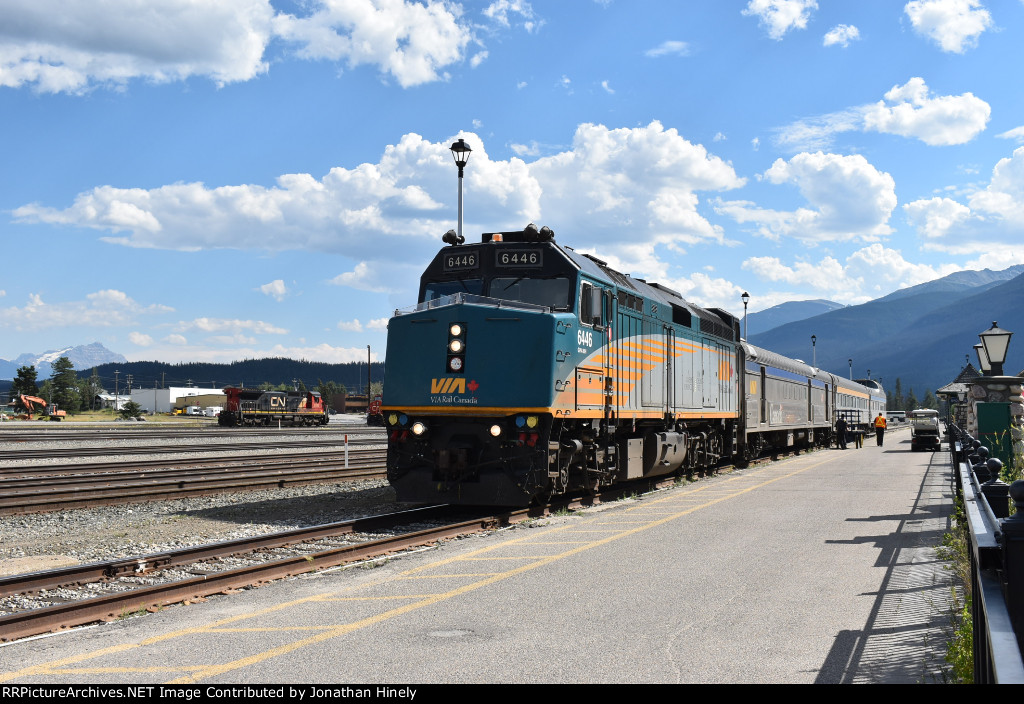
(95, 523)
(634, 584)
(158, 491)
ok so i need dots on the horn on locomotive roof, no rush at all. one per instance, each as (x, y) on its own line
(532, 234)
(452, 238)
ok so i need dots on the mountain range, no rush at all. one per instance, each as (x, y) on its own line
(922, 335)
(83, 357)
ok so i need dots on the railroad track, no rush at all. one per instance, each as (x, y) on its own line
(59, 487)
(125, 595)
(206, 447)
(148, 433)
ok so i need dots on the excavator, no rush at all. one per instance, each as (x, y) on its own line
(50, 410)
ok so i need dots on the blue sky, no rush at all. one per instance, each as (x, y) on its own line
(186, 181)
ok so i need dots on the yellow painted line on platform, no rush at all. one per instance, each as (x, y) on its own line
(194, 674)
(453, 575)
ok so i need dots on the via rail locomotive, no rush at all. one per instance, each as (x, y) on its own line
(528, 369)
(259, 407)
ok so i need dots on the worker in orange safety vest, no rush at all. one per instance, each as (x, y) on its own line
(880, 429)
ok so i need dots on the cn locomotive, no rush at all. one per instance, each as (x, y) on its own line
(259, 407)
(528, 369)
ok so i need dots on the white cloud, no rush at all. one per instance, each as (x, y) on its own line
(175, 339)
(275, 288)
(380, 324)
(848, 198)
(376, 277)
(780, 16)
(257, 327)
(106, 308)
(140, 339)
(989, 222)
(607, 89)
(115, 41)
(944, 120)
(865, 275)
(842, 35)
(645, 179)
(1016, 134)
(411, 41)
(954, 25)
(503, 12)
(908, 110)
(669, 48)
(57, 46)
(350, 325)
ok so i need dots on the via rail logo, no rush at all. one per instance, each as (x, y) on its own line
(450, 389)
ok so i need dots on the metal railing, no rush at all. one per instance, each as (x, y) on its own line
(996, 553)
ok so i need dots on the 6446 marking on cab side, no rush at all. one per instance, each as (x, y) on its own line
(584, 340)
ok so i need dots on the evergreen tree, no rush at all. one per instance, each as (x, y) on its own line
(64, 386)
(911, 402)
(88, 389)
(130, 410)
(898, 402)
(930, 401)
(24, 385)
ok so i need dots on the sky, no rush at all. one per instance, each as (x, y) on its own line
(184, 180)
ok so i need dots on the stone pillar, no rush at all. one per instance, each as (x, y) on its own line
(1000, 389)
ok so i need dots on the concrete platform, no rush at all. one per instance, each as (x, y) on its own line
(818, 568)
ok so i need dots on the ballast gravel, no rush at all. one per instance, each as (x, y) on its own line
(34, 542)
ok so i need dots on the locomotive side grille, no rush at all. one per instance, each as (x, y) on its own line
(716, 328)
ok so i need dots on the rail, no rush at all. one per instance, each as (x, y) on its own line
(996, 553)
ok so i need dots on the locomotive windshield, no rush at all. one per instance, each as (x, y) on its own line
(533, 273)
(553, 293)
(440, 289)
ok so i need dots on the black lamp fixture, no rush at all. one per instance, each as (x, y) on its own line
(746, 299)
(814, 351)
(850, 362)
(996, 341)
(460, 152)
(986, 366)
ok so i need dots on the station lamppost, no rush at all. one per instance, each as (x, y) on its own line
(460, 151)
(746, 299)
(814, 351)
(995, 342)
(850, 362)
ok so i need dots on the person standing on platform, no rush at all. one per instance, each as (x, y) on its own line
(841, 433)
(880, 429)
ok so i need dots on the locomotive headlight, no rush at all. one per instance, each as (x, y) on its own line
(455, 345)
(495, 430)
(455, 364)
(418, 428)
(455, 330)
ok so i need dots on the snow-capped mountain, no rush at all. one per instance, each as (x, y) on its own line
(82, 356)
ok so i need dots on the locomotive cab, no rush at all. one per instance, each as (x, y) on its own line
(472, 374)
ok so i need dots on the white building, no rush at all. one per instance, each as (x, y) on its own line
(164, 400)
